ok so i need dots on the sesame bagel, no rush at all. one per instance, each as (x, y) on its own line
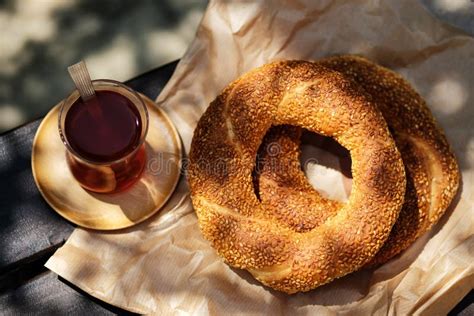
(223, 153)
(431, 168)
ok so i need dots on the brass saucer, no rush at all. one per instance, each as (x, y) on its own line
(108, 211)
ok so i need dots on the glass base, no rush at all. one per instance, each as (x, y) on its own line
(108, 178)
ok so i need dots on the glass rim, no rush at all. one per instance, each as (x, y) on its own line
(74, 96)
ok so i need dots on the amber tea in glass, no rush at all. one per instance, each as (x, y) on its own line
(104, 136)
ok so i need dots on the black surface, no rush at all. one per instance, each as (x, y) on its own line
(30, 231)
(465, 307)
(46, 294)
(27, 223)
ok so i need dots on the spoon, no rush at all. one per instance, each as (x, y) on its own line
(82, 80)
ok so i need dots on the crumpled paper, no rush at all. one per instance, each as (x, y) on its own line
(164, 266)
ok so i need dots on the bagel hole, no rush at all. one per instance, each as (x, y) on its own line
(327, 166)
(324, 162)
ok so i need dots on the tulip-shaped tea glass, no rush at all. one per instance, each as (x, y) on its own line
(105, 136)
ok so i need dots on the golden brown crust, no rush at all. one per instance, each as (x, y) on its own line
(222, 157)
(431, 168)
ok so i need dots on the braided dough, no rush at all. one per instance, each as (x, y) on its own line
(223, 153)
(431, 168)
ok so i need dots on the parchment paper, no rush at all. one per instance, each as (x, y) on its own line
(164, 266)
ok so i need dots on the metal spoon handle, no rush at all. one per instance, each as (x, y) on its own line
(82, 80)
